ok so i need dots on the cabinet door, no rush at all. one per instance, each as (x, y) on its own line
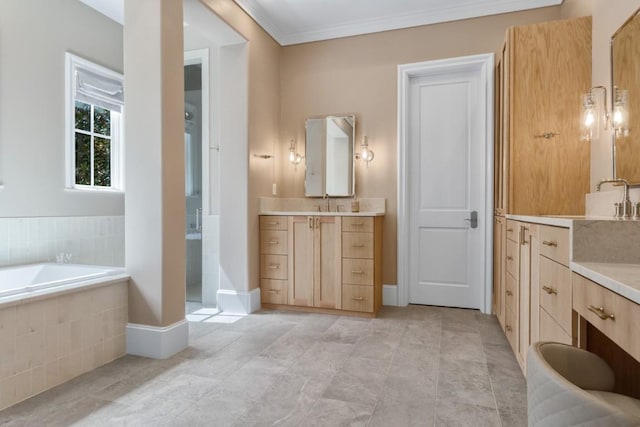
(301, 260)
(327, 265)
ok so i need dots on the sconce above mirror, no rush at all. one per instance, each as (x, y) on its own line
(625, 120)
(329, 156)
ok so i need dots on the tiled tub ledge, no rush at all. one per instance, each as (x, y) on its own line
(48, 339)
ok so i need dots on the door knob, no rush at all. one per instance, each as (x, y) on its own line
(473, 221)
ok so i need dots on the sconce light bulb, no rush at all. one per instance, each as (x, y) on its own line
(589, 118)
(292, 156)
(617, 116)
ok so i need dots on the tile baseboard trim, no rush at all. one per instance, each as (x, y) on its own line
(157, 342)
(239, 302)
(389, 295)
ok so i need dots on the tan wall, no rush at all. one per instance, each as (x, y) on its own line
(606, 20)
(359, 75)
(575, 8)
(264, 114)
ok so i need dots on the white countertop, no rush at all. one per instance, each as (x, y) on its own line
(314, 213)
(559, 220)
(623, 279)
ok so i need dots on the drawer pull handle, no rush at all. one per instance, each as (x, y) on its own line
(509, 258)
(552, 243)
(274, 266)
(358, 245)
(273, 223)
(357, 298)
(508, 328)
(357, 272)
(509, 293)
(509, 230)
(357, 224)
(274, 291)
(549, 290)
(274, 242)
(599, 311)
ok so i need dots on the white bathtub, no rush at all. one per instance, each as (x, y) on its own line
(24, 281)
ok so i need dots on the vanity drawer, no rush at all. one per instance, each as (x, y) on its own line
(555, 292)
(357, 245)
(273, 291)
(273, 242)
(511, 329)
(357, 271)
(554, 243)
(511, 294)
(551, 331)
(273, 266)
(511, 257)
(512, 230)
(357, 298)
(357, 223)
(597, 304)
(272, 222)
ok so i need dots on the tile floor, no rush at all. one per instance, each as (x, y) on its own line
(422, 366)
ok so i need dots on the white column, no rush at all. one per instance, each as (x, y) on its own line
(154, 177)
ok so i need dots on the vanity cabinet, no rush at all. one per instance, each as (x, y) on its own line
(332, 263)
(556, 318)
(542, 167)
(499, 230)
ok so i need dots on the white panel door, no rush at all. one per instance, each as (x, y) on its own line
(447, 183)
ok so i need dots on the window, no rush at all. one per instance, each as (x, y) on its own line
(94, 106)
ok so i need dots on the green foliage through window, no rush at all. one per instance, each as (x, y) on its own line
(92, 145)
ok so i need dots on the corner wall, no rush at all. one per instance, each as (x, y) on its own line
(35, 36)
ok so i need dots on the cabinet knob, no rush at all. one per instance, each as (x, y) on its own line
(509, 258)
(508, 328)
(509, 293)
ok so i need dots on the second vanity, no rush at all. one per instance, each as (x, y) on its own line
(321, 261)
(573, 280)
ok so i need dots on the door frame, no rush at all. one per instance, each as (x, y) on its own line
(484, 64)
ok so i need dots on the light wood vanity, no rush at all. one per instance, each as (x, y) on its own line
(323, 263)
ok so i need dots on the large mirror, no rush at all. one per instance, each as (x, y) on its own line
(329, 156)
(625, 64)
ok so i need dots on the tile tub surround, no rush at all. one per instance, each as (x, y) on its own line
(412, 365)
(46, 342)
(310, 204)
(95, 240)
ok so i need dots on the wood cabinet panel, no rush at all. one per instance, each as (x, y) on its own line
(270, 222)
(615, 316)
(274, 291)
(511, 294)
(301, 260)
(550, 330)
(554, 243)
(357, 271)
(274, 242)
(498, 270)
(357, 223)
(555, 292)
(512, 230)
(357, 298)
(357, 245)
(327, 263)
(511, 330)
(512, 263)
(273, 266)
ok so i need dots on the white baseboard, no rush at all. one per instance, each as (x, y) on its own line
(389, 295)
(239, 302)
(157, 342)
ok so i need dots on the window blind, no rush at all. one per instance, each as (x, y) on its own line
(100, 90)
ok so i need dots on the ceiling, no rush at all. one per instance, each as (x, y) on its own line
(300, 21)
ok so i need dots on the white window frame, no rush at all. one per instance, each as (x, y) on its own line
(72, 64)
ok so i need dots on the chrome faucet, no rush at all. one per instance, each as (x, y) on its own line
(623, 209)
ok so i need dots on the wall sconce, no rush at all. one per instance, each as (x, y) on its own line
(620, 112)
(294, 157)
(366, 153)
(592, 116)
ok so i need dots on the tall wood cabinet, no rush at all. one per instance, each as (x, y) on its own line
(542, 167)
